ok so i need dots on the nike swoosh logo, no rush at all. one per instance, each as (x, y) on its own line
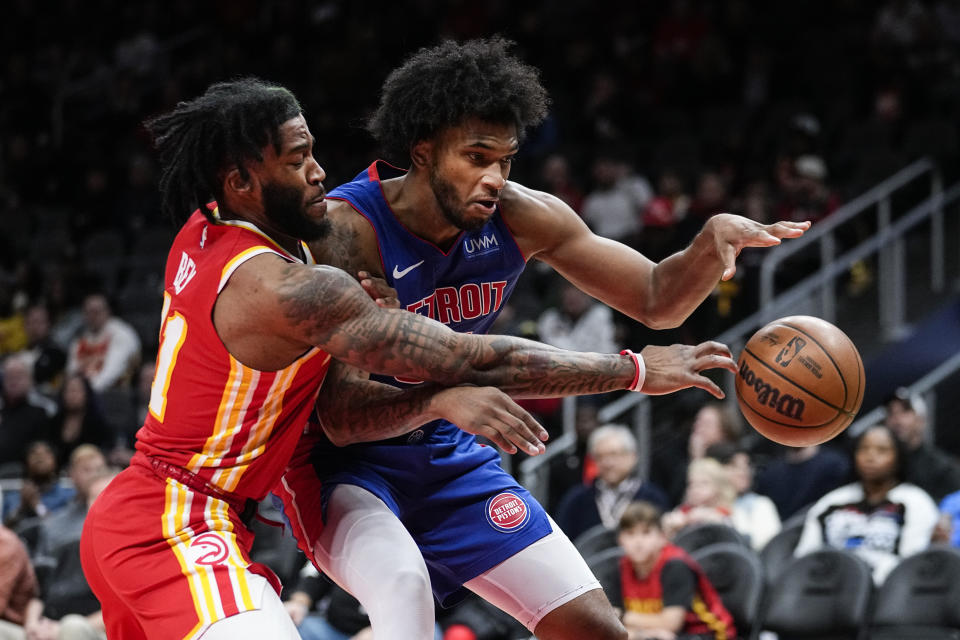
(397, 274)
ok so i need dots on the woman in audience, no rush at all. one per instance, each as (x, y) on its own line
(78, 419)
(754, 515)
(709, 497)
(879, 517)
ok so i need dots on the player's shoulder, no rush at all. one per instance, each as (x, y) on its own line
(517, 199)
(527, 209)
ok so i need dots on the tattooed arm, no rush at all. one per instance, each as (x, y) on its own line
(271, 311)
(352, 408)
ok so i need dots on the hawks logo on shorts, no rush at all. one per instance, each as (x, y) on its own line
(209, 549)
(507, 511)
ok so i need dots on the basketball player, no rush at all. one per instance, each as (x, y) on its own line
(250, 324)
(451, 236)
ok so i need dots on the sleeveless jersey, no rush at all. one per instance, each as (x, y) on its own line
(705, 615)
(232, 425)
(464, 287)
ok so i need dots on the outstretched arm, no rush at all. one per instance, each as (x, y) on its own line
(271, 311)
(660, 295)
(323, 306)
(352, 408)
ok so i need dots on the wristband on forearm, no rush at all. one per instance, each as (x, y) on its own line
(641, 374)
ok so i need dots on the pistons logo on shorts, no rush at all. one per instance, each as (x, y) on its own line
(507, 511)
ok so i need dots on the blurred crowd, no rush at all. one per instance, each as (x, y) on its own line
(662, 115)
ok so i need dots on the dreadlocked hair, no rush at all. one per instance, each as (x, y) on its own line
(440, 87)
(229, 125)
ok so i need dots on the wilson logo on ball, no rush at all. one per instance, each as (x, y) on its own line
(783, 403)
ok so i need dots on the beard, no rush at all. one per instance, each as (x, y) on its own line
(452, 210)
(285, 208)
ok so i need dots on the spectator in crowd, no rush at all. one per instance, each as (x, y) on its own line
(807, 196)
(754, 515)
(613, 448)
(948, 527)
(107, 351)
(880, 517)
(557, 179)
(928, 467)
(23, 413)
(41, 492)
(67, 608)
(47, 358)
(78, 419)
(714, 422)
(612, 208)
(802, 475)
(579, 324)
(575, 468)
(87, 466)
(18, 584)
(13, 336)
(663, 214)
(664, 591)
(709, 497)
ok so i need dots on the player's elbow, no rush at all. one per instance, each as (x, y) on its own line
(662, 319)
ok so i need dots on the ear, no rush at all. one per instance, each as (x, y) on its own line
(236, 183)
(421, 154)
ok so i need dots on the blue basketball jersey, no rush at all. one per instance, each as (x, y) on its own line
(464, 287)
(465, 513)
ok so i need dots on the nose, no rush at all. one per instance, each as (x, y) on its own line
(494, 180)
(315, 173)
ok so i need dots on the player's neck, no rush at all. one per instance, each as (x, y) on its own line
(413, 202)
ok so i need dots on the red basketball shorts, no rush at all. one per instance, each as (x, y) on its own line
(166, 561)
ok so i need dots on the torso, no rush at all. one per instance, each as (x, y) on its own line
(230, 423)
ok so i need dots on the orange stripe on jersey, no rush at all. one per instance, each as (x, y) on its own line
(262, 428)
(237, 393)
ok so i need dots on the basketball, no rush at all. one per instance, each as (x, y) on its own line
(800, 381)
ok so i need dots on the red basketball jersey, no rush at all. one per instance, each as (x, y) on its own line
(706, 615)
(234, 426)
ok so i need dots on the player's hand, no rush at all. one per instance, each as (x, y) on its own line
(679, 366)
(489, 412)
(378, 289)
(732, 233)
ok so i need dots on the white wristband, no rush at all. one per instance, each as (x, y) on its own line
(637, 383)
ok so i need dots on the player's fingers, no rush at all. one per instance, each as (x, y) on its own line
(788, 229)
(525, 432)
(715, 361)
(710, 386)
(712, 347)
(493, 434)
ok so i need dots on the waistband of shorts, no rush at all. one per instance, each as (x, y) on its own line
(246, 508)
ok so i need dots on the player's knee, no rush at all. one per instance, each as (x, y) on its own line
(412, 582)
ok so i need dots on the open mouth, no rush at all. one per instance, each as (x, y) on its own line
(487, 205)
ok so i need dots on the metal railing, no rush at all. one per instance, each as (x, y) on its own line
(925, 387)
(888, 242)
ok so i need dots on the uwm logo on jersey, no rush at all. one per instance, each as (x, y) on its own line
(451, 304)
(474, 247)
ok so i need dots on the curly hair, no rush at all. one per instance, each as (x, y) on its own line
(440, 87)
(227, 126)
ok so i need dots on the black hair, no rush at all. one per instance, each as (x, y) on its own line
(440, 87)
(900, 469)
(225, 127)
